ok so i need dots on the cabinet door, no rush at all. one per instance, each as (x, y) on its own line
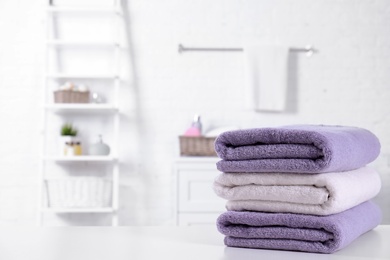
(195, 191)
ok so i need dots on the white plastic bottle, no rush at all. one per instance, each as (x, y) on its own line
(197, 123)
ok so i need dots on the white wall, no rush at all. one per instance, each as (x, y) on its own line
(345, 83)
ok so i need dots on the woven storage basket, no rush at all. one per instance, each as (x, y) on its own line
(79, 192)
(69, 96)
(197, 146)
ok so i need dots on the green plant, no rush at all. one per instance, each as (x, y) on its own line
(68, 130)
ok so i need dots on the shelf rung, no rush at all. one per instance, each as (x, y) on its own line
(80, 158)
(78, 210)
(83, 9)
(89, 107)
(81, 76)
(82, 43)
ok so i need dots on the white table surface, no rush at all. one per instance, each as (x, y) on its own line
(200, 243)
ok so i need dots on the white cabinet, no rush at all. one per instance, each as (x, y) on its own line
(196, 202)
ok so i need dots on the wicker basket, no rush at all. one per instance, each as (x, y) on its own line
(197, 146)
(79, 192)
(70, 96)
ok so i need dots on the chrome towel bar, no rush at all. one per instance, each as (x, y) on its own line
(308, 49)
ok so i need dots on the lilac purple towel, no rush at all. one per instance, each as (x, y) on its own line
(299, 148)
(296, 232)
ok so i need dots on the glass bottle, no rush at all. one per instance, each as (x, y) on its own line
(77, 148)
(69, 151)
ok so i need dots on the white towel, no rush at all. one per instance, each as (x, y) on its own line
(266, 76)
(315, 194)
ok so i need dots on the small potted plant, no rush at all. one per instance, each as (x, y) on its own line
(68, 133)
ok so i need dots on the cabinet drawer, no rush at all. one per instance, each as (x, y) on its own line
(195, 191)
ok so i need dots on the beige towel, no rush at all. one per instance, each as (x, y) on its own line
(316, 194)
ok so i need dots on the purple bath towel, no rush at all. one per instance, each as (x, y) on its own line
(297, 232)
(299, 148)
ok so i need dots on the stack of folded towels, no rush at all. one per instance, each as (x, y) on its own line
(301, 188)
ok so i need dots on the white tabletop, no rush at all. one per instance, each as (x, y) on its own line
(95, 243)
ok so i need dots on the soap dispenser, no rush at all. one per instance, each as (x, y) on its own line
(196, 123)
(99, 148)
(196, 127)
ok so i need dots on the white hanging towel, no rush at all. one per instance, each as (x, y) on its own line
(266, 77)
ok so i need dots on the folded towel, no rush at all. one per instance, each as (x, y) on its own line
(316, 194)
(266, 76)
(299, 148)
(297, 232)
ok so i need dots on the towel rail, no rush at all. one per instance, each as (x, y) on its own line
(308, 49)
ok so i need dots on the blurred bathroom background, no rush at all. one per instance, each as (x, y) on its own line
(345, 83)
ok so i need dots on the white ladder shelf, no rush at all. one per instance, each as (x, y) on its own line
(89, 108)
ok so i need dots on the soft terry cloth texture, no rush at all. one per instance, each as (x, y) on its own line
(297, 232)
(318, 194)
(300, 148)
(266, 76)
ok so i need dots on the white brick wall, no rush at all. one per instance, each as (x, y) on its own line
(346, 83)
